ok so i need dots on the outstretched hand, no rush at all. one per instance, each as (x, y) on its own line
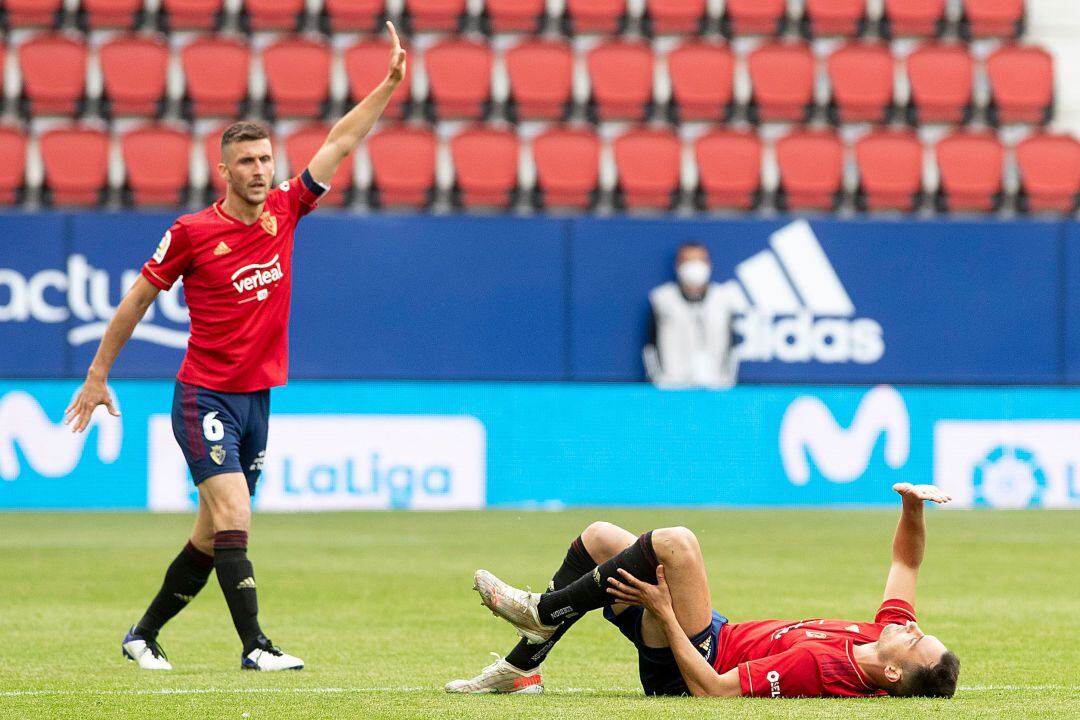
(91, 394)
(396, 72)
(922, 492)
(654, 598)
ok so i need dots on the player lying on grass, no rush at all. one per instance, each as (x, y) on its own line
(236, 260)
(654, 590)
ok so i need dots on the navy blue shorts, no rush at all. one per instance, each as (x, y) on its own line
(657, 667)
(221, 432)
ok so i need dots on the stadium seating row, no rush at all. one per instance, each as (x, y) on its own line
(813, 168)
(621, 73)
(980, 18)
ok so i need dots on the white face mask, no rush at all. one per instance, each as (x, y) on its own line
(694, 273)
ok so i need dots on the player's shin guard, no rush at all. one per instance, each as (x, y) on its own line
(525, 655)
(589, 592)
(237, 580)
(186, 576)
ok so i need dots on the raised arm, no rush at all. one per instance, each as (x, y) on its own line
(909, 541)
(351, 129)
(95, 390)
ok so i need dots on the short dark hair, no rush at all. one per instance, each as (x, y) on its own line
(692, 245)
(936, 681)
(243, 131)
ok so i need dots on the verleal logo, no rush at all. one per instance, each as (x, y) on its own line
(793, 307)
(346, 462)
(51, 449)
(1008, 464)
(843, 455)
(86, 291)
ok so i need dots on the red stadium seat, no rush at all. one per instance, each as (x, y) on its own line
(157, 159)
(54, 75)
(12, 164)
(890, 170)
(302, 145)
(834, 17)
(506, 16)
(216, 70)
(649, 163)
(541, 78)
(211, 145)
(274, 14)
(486, 166)
(622, 80)
(729, 169)
(753, 17)
(992, 18)
(459, 74)
(434, 15)
(941, 78)
(352, 15)
(191, 14)
(811, 170)
(33, 13)
(675, 16)
(134, 70)
(594, 16)
(365, 66)
(567, 167)
(919, 18)
(297, 77)
(862, 78)
(96, 14)
(76, 164)
(403, 166)
(702, 81)
(782, 75)
(1049, 173)
(1021, 85)
(971, 166)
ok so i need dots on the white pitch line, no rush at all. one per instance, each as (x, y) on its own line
(390, 690)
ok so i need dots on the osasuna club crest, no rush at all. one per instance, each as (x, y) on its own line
(269, 223)
(217, 453)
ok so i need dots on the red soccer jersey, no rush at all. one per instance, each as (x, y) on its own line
(811, 658)
(238, 286)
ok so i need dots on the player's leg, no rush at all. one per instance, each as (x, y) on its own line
(677, 549)
(519, 672)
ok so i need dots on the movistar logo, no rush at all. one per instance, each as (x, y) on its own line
(843, 454)
(51, 449)
(82, 292)
(793, 308)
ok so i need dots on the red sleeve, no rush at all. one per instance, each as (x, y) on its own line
(793, 673)
(171, 259)
(303, 193)
(895, 611)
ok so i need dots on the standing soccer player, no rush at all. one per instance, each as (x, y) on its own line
(236, 261)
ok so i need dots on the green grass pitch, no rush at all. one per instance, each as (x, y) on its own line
(380, 607)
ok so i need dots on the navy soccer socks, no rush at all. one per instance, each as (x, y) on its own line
(589, 592)
(526, 656)
(186, 576)
(237, 580)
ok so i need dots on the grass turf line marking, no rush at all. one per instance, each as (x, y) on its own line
(388, 690)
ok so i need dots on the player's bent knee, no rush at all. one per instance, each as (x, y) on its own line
(675, 542)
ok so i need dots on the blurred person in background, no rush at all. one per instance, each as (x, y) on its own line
(691, 343)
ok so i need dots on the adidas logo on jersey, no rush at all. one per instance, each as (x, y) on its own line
(793, 307)
(247, 583)
(222, 249)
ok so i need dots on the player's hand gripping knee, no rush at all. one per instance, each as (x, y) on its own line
(654, 598)
(91, 394)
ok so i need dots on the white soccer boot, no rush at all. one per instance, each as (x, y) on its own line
(144, 651)
(500, 677)
(268, 657)
(517, 607)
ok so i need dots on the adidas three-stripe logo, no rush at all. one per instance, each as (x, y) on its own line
(794, 308)
(247, 583)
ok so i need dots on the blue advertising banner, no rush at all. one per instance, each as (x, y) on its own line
(505, 298)
(340, 445)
